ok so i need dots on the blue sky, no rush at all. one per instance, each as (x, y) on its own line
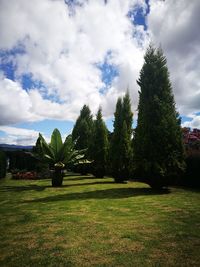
(86, 52)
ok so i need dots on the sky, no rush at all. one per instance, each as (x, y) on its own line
(56, 56)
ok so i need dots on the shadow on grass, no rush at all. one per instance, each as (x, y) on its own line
(43, 187)
(22, 188)
(79, 178)
(92, 183)
(188, 188)
(114, 193)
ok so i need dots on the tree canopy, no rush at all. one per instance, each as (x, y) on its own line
(121, 150)
(99, 149)
(82, 131)
(158, 147)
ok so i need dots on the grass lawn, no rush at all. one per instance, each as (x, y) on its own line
(95, 222)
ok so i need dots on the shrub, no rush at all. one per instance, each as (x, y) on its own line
(24, 175)
(44, 174)
(98, 170)
(83, 168)
(21, 160)
(3, 164)
(192, 173)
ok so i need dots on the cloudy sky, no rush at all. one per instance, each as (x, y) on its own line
(57, 55)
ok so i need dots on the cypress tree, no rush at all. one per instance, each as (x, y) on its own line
(82, 136)
(100, 146)
(127, 135)
(127, 113)
(115, 142)
(121, 151)
(3, 164)
(82, 131)
(158, 147)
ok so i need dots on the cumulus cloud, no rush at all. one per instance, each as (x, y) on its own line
(62, 46)
(18, 105)
(63, 49)
(175, 25)
(15, 104)
(18, 136)
(193, 123)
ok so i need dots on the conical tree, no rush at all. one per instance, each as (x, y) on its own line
(158, 147)
(115, 141)
(99, 149)
(82, 136)
(127, 135)
(121, 151)
(127, 113)
(82, 131)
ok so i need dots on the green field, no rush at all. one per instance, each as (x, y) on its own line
(95, 222)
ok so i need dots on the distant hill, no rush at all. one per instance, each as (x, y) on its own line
(7, 147)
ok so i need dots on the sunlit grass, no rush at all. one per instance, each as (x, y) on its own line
(95, 222)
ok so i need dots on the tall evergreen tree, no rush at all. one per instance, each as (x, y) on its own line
(82, 131)
(158, 146)
(82, 136)
(121, 151)
(127, 113)
(3, 163)
(99, 151)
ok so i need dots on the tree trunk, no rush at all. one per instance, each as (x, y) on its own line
(57, 177)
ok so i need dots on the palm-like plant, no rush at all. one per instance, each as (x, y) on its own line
(58, 154)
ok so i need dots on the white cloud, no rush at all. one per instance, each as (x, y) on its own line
(15, 103)
(193, 123)
(18, 131)
(18, 105)
(175, 25)
(62, 51)
(18, 136)
(21, 136)
(45, 108)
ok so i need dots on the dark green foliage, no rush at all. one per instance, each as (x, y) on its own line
(37, 148)
(42, 168)
(192, 173)
(3, 164)
(99, 148)
(127, 113)
(121, 151)
(158, 146)
(21, 160)
(115, 142)
(82, 136)
(83, 168)
(82, 131)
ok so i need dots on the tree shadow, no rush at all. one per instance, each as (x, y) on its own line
(23, 188)
(113, 193)
(43, 187)
(189, 188)
(92, 183)
(79, 178)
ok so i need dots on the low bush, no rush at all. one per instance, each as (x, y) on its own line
(99, 173)
(24, 175)
(83, 169)
(192, 173)
(44, 174)
(21, 160)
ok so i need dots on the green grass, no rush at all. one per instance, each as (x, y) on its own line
(95, 222)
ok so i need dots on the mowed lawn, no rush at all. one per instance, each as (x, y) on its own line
(95, 222)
